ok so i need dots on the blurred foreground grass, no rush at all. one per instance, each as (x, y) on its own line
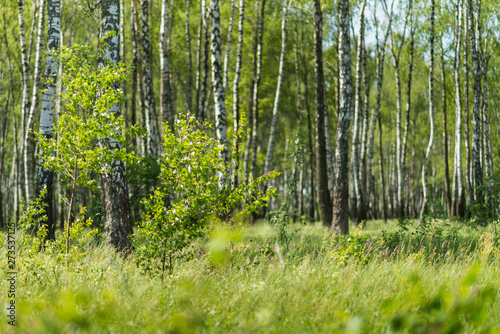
(385, 278)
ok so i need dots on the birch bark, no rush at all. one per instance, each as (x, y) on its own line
(425, 200)
(149, 105)
(458, 205)
(270, 147)
(476, 121)
(116, 212)
(45, 177)
(167, 111)
(218, 89)
(341, 190)
(356, 131)
(236, 97)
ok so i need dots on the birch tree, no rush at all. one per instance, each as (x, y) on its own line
(218, 87)
(116, 212)
(236, 96)
(380, 59)
(256, 84)
(149, 104)
(45, 177)
(167, 111)
(458, 204)
(340, 222)
(270, 147)
(356, 131)
(476, 120)
(431, 117)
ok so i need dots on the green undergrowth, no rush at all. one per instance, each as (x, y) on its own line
(385, 278)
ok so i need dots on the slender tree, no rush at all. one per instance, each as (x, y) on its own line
(255, 97)
(408, 101)
(167, 110)
(321, 108)
(115, 202)
(445, 131)
(341, 190)
(236, 96)
(248, 149)
(228, 45)
(396, 58)
(356, 126)
(458, 204)
(380, 60)
(218, 87)
(270, 147)
(476, 120)
(45, 177)
(431, 117)
(189, 84)
(149, 104)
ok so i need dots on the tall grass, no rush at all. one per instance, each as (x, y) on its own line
(240, 281)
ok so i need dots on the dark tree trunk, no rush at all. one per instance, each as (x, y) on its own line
(321, 109)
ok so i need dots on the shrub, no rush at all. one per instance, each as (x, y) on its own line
(189, 196)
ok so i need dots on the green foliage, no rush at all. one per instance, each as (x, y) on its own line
(352, 248)
(32, 224)
(81, 146)
(281, 217)
(188, 196)
(484, 212)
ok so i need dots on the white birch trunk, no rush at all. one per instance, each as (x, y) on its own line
(270, 147)
(149, 104)
(431, 118)
(218, 90)
(236, 96)
(116, 211)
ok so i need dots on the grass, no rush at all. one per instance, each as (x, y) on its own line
(444, 279)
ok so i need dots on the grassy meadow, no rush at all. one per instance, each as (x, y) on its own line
(385, 278)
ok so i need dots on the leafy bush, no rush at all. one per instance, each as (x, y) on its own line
(188, 196)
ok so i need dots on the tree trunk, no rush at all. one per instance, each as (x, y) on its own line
(476, 121)
(255, 124)
(116, 211)
(380, 54)
(312, 156)
(458, 204)
(396, 57)
(321, 110)
(445, 132)
(135, 65)
(248, 149)
(202, 110)
(189, 87)
(25, 103)
(408, 101)
(228, 45)
(45, 177)
(151, 118)
(431, 117)
(167, 111)
(356, 133)
(218, 89)
(270, 147)
(381, 167)
(340, 222)
(488, 157)
(236, 97)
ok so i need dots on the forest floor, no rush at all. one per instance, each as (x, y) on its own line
(387, 277)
